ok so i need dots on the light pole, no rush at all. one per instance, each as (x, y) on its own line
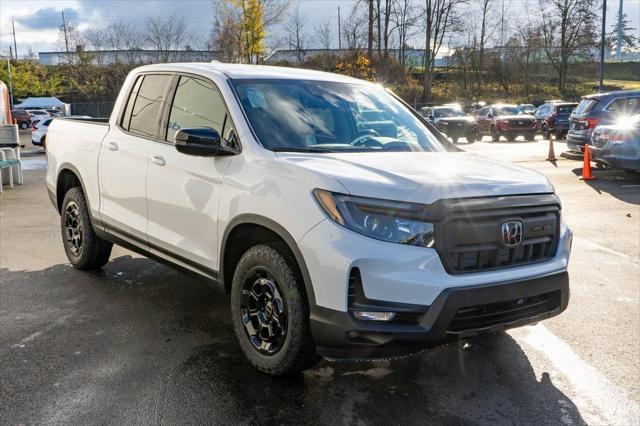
(10, 86)
(604, 19)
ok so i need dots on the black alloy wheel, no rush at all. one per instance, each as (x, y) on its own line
(73, 230)
(264, 312)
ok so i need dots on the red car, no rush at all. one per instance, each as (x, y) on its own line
(505, 120)
(22, 119)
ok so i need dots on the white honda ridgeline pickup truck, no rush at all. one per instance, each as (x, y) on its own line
(341, 223)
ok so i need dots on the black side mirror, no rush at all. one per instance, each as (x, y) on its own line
(200, 141)
(431, 117)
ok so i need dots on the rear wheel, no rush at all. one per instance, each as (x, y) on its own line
(495, 135)
(84, 249)
(545, 131)
(454, 139)
(531, 137)
(270, 311)
(471, 136)
(24, 125)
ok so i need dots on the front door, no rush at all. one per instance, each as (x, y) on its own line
(183, 191)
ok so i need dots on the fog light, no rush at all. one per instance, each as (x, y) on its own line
(374, 316)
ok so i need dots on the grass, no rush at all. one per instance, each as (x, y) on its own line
(624, 84)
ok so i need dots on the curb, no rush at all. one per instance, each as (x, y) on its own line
(572, 155)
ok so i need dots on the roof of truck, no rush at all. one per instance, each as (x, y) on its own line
(244, 71)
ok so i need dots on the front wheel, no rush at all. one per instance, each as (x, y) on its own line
(84, 249)
(24, 125)
(270, 311)
(473, 136)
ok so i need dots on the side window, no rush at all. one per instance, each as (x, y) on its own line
(147, 107)
(624, 106)
(484, 112)
(197, 103)
(126, 116)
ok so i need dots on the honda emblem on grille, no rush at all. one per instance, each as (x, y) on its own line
(512, 233)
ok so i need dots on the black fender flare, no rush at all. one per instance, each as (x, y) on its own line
(253, 219)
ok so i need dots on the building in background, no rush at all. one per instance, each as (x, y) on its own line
(130, 57)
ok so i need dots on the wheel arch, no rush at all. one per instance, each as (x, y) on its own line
(259, 229)
(68, 177)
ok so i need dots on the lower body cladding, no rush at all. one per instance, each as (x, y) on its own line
(428, 306)
(577, 139)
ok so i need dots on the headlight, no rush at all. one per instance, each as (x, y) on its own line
(390, 221)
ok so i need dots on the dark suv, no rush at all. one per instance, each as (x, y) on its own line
(599, 109)
(22, 119)
(553, 118)
(509, 121)
(452, 121)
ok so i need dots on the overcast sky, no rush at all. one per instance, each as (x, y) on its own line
(37, 21)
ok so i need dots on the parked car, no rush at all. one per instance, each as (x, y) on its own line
(505, 120)
(37, 114)
(618, 145)
(22, 119)
(528, 108)
(55, 112)
(39, 133)
(553, 118)
(453, 122)
(331, 238)
(599, 109)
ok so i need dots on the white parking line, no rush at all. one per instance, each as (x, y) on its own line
(596, 246)
(610, 400)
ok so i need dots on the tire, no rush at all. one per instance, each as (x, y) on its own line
(471, 136)
(454, 139)
(531, 137)
(43, 142)
(24, 125)
(267, 281)
(545, 132)
(84, 249)
(495, 136)
(511, 138)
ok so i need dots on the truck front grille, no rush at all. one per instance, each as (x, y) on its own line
(503, 313)
(471, 240)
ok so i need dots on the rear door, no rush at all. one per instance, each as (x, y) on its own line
(183, 191)
(124, 158)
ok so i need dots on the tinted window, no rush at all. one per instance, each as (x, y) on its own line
(448, 112)
(484, 111)
(147, 107)
(197, 103)
(508, 110)
(565, 109)
(624, 106)
(47, 122)
(126, 116)
(585, 106)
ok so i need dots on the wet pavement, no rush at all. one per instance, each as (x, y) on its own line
(140, 342)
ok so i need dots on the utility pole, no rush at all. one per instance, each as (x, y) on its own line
(15, 46)
(604, 28)
(64, 28)
(339, 32)
(10, 86)
(619, 38)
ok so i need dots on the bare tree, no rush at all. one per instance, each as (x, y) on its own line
(96, 40)
(226, 34)
(166, 36)
(567, 29)
(404, 17)
(295, 28)
(354, 31)
(323, 35)
(439, 17)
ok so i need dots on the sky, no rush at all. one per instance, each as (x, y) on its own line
(37, 21)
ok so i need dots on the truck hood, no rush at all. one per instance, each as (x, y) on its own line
(421, 177)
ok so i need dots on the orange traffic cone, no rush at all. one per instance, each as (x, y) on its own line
(552, 154)
(586, 168)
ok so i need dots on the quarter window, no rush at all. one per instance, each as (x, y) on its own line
(198, 103)
(148, 105)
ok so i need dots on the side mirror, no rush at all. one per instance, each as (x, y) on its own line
(490, 115)
(431, 117)
(200, 141)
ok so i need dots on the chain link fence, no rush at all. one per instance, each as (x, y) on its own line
(92, 109)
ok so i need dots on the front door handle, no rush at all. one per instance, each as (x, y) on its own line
(156, 159)
(112, 146)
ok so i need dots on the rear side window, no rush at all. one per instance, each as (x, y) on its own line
(47, 122)
(624, 106)
(198, 103)
(585, 106)
(147, 107)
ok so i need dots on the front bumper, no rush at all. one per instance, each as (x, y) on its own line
(456, 313)
(453, 130)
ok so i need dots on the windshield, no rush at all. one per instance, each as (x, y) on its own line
(448, 112)
(509, 110)
(320, 116)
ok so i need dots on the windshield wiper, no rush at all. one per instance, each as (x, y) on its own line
(299, 149)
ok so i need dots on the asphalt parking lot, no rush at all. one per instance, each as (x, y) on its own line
(140, 342)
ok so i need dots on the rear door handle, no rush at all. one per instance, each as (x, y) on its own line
(156, 159)
(112, 146)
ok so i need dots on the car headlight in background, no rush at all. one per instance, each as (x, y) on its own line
(390, 221)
